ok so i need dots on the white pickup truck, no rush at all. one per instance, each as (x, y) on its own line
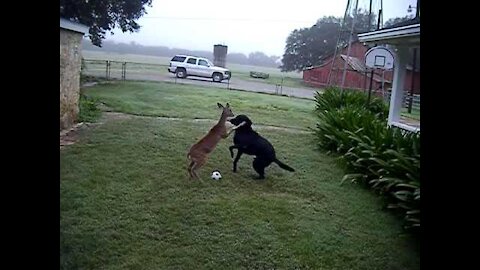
(185, 65)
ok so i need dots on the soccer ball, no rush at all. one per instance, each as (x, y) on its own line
(216, 175)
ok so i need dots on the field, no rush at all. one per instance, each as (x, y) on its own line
(158, 60)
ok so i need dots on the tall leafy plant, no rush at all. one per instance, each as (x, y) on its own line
(385, 159)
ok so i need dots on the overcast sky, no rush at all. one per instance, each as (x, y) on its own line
(244, 26)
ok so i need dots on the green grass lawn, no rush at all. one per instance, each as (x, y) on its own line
(126, 201)
(186, 101)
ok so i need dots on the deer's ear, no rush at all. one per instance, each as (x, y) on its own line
(228, 105)
(219, 105)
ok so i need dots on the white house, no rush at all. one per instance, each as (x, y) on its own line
(399, 38)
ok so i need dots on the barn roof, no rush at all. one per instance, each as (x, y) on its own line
(317, 66)
(355, 63)
(359, 66)
(328, 57)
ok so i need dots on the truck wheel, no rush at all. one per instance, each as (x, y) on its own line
(181, 73)
(217, 77)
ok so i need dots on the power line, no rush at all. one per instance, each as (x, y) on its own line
(223, 19)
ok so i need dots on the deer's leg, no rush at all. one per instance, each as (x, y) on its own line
(232, 129)
(193, 172)
(196, 166)
(227, 133)
(189, 169)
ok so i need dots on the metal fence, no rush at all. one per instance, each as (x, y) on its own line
(118, 69)
(124, 70)
(415, 99)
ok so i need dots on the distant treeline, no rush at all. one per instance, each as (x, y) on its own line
(255, 58)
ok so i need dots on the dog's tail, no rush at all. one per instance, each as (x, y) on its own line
(283, 165)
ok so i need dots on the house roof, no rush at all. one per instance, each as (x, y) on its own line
(73, 26)
(408, 35)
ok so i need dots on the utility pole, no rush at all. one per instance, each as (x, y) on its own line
(349, 46)
(340, 33)
(372, 72)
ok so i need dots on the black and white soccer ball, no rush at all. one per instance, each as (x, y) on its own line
(216, 175)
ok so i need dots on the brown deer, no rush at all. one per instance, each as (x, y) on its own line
(198, 153)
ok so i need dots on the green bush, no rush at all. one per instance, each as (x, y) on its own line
(88, 110)
(386, 159)
(334, 124)
(332, 98)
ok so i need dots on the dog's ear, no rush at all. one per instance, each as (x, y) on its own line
(247, 121)
(219, 105)
(228, 105)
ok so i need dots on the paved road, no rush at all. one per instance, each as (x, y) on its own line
(234, 83)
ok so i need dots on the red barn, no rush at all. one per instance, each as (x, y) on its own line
(357, 76)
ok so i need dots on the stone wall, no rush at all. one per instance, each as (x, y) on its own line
(70, 65)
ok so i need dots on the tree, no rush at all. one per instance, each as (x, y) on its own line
(238, 58)
(260, 59)
(104, 15)
(393, 21)
(310, 46)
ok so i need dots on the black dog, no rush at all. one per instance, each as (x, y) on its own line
(249, 142)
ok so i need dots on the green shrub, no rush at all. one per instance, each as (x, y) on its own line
(334, 124)
(332, 98)
(88, 110)
(388, 162)
(386, 159)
